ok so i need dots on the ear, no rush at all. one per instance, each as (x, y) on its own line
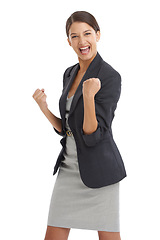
(69, 41)
(98, 34)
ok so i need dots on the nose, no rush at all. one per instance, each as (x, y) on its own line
(81, 40)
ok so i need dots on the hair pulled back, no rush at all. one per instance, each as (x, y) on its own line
(82, 16)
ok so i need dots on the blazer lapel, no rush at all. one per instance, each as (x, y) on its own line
(63, 98)
(92, 72)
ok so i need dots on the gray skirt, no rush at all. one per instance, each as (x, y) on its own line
(73, 204)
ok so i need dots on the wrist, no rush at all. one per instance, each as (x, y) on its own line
(88, 96)
(44, 108)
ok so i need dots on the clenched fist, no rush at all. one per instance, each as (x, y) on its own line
(91, 86)
(40, 97)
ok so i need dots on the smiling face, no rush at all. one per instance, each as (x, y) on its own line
(83, 39)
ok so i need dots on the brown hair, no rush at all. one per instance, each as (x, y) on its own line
(82, 16)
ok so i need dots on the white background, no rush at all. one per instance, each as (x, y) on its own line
(34, 53)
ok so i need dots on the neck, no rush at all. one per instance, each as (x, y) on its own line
(85, 64)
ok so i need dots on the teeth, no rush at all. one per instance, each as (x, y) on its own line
(84, 48)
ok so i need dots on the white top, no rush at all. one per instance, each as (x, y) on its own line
(70, 97)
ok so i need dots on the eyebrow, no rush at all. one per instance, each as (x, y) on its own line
(84, 32)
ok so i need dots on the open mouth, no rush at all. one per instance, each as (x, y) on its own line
(84, 50)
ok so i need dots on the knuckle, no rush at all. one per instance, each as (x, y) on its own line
(36, 91)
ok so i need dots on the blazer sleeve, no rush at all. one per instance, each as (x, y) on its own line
(62, 133)
(105, 104)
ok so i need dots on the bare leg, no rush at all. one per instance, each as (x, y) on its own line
(103, 235)
(57, 233)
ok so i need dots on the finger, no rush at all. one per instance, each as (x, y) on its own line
(40, 95)
(35, 93)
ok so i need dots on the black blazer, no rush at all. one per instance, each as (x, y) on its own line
(100, 162)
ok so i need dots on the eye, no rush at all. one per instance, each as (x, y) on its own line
(87, 33)
(74, 36)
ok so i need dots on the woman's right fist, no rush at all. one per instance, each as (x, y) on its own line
(40, 97)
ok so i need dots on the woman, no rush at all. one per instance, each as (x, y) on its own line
(86, 191)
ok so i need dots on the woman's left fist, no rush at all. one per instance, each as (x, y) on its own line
(91, 86)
